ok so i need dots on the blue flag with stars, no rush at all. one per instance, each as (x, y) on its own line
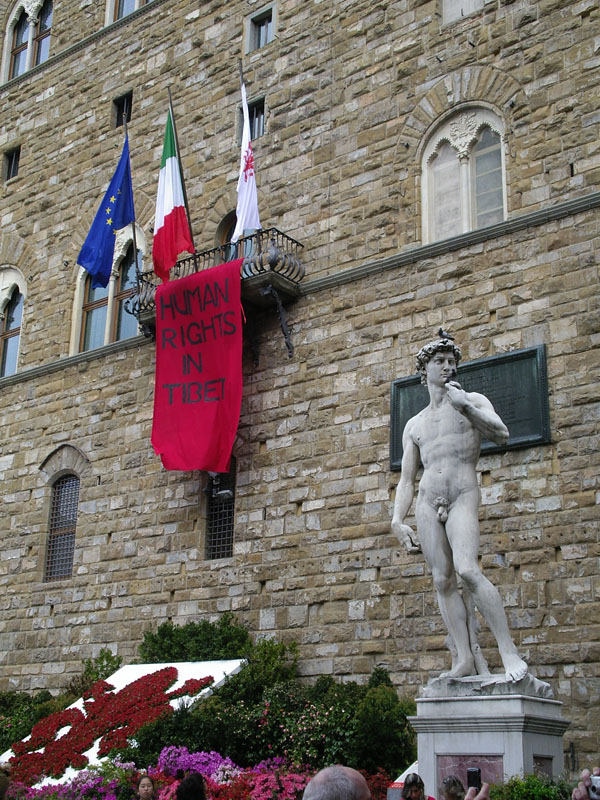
(115, 212)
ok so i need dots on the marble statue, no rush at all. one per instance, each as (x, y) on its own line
(445, 437)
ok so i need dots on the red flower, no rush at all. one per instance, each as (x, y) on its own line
(111, 717)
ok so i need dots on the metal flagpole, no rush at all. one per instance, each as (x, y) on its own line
(134, 238)
(185, 200)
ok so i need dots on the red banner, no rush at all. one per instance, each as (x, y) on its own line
(198, 389)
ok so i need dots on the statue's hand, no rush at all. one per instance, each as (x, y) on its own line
(456, 395)
(406, 535)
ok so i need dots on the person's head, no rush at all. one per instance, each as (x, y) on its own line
(337, 783)
(145, 787)
(453, 788)
(414, 788)
(445, 344)
(192, 787)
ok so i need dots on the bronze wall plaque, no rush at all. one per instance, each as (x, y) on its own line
(516, 383)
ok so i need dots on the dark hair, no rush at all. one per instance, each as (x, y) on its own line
(412, 779)
(192, 788)
(141, 778)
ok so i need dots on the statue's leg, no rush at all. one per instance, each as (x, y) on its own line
(462, 528)
(436, 550)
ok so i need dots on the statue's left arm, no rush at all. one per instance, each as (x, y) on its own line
(479, 411)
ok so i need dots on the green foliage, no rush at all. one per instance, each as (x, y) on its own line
(196, 641)
(380, 677)
(533, 787)
(20, 711)
(269, 662)
(384, 737)
(264, 711)
(95, 669)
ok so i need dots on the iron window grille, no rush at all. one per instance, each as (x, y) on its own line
(220, 514)
(61, 534)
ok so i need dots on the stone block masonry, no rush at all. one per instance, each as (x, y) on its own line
(351, 91)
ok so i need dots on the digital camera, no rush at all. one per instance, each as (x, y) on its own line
(594, 790)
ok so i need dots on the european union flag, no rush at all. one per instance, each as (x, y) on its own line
(115, 212)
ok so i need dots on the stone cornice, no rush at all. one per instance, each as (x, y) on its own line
(530, 220)
(72, 361)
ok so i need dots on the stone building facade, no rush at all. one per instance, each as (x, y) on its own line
(363, 100)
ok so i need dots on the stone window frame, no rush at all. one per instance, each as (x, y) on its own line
(112, 10)
(12, 278)
(123, 241)
(66, 460)
(31, 8)
(461, 129)
(10, 163)
(253, 24)
(254, 106)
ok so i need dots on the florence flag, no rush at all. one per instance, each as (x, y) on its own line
(172, 234)
(115, 212)
(247, 200)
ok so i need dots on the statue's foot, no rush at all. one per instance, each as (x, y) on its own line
(515, 668)
(461, 669)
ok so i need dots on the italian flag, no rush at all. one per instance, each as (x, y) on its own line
(171, 230)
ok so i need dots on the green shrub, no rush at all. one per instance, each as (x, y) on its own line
(20, 711)
(533, 787)
(268, 663)
(384, 737)
(94, 669)
(196, 641)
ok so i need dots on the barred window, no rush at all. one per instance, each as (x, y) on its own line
(61, 533)
(220, 516)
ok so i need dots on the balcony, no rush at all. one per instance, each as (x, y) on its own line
(271, 273)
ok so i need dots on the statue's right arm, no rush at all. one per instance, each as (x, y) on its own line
(405, 491)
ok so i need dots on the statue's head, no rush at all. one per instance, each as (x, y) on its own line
(445, 343)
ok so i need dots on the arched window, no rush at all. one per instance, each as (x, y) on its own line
(11, 333)
(242, 248)
(18, 53)
(463, 175)
(28, 33)
(42, 34)
(61, 528)
(100, 316)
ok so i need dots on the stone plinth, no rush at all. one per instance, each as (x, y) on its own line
(504, 728)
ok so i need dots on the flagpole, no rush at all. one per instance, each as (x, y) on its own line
(133, 234)
(185, 200)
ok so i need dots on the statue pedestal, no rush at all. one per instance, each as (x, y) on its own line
(504, 728)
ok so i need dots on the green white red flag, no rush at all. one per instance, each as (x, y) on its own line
(172, 234)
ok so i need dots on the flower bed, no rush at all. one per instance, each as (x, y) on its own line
(108, 720)
(270, 779)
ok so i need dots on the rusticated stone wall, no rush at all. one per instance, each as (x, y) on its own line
(350, 90)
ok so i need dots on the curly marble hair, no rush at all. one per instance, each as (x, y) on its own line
(426, 353)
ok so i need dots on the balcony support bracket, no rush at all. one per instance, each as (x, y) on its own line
(270, 290)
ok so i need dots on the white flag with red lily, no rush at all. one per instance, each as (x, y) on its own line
(247, 200)
(171, 230)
